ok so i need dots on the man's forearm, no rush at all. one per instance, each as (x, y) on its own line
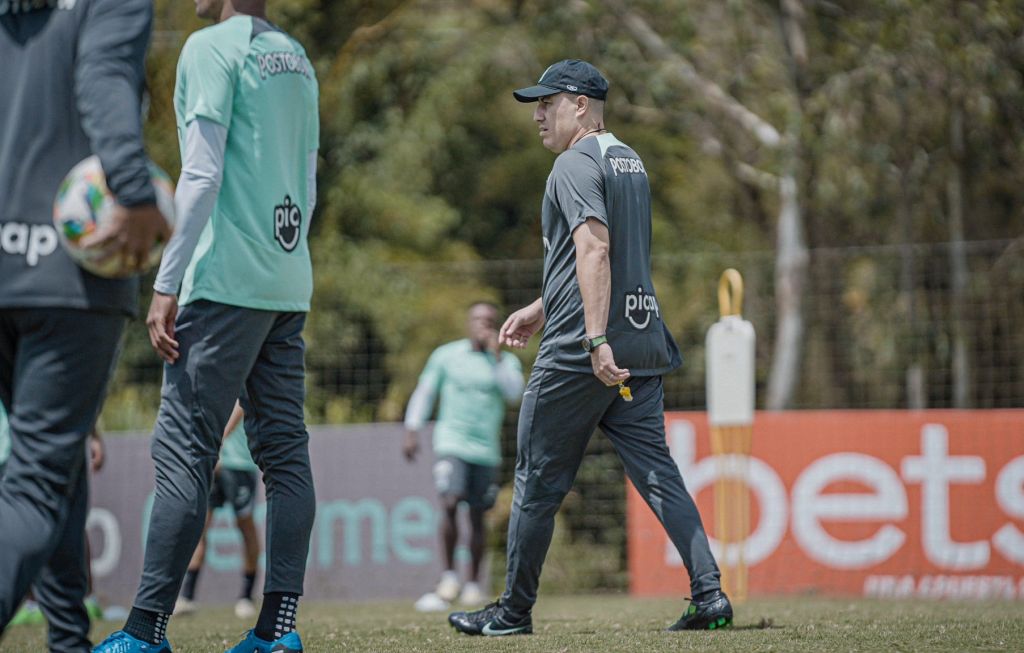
(420, 406)
(311, 183)
(510, 381)
(109, 77)
(593, 272)
(194, 199)
(538, 305)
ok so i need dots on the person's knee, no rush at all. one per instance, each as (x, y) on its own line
(450, 504)
(173, 459)
(278, 453)
(539, 493)
(476, 518)
(246, 525)
(36, 525)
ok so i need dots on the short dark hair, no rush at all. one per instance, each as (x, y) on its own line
(483, 302)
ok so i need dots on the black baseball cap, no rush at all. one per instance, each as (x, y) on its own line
(567, 76)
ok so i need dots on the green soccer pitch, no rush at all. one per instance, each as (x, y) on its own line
(619, 624)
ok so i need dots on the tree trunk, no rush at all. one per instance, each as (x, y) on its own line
(791, 260)
(961, 366)
(791, 257)
(917, 398)
(911, 171)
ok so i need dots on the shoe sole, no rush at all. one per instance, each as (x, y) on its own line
(714, 624)
(479, 633)
(459, 629)
(511, 632)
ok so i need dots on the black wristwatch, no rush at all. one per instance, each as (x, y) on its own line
(590, 344)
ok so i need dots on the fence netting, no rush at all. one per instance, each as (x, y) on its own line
(889, 327)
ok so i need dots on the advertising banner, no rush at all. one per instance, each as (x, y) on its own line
(874, 503)
(375, 534)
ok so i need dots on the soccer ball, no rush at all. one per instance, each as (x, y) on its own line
(84, 203)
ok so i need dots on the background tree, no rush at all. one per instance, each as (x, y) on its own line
(778, 134)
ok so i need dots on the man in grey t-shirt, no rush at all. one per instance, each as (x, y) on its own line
(599, 311)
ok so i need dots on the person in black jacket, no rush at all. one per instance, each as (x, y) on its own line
(73, 75)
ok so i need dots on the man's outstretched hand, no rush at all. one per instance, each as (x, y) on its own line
(521, 325)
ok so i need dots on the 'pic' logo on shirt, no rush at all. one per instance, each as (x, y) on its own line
(639, 306)
(287, 224)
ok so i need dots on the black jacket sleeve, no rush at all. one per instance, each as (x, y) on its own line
(109, 79)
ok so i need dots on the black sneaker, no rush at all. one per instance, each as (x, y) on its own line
(713, 612)
(490, 621)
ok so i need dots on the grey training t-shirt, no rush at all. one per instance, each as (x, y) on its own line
(73, 74)
(602, 178)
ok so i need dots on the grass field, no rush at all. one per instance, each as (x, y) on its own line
(620, 624)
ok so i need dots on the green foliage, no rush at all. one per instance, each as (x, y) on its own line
(429, 168)
(431, 177)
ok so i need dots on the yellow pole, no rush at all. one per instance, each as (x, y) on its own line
(730, 304)
(731, 446)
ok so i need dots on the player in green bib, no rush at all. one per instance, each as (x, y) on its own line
(234, 454)
(234, 484)
(475, 380)
(253, 252)
(228, 311)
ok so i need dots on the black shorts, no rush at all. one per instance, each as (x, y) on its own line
(476, 485)
(236, 488)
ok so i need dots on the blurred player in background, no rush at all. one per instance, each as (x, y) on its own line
(246, 102)
(30, 612)
(97, 459)
(73, 76)
(474, 380)
(599, 310)
(234, 483)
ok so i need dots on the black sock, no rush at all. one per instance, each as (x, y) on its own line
(147, 625)
(248, 581)
(188, 590)
(277, 616)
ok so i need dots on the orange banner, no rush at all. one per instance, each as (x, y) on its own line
(874, 503)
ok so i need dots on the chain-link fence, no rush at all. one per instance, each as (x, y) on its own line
(914, 326)
(884, 327)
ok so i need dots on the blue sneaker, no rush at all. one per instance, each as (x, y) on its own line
(290, 643)
(121, 642)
